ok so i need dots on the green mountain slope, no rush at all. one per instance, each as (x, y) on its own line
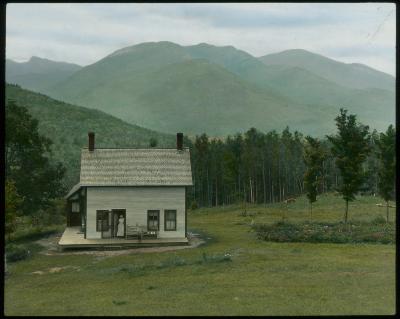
(373, 106)
(352, 75)
(37, 73)
(218, 90)
(67, 126)
(193, 96)
(300, 85)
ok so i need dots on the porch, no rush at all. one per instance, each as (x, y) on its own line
(74, 238)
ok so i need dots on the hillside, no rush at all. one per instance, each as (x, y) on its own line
(218, 90)
(193, 96)
(314, 82)
(37, 73)
(353, 75)
(67, 126)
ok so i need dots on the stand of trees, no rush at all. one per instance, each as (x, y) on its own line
(33, 178)
(254, 167)
(259, 168)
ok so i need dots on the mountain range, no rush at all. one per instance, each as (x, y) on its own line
(218, 90)
(38, 74)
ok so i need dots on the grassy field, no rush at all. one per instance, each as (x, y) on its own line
(262, 278)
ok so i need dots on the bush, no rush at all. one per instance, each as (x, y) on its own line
(317, 232)
(29, 234)
(55, 214)
(16, 252)
(379, 220)
(193, 205)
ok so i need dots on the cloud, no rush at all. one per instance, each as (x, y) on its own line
(84, 33)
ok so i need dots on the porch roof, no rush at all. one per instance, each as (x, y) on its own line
(74, 189)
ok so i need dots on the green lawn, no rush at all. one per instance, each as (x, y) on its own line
(262, 278)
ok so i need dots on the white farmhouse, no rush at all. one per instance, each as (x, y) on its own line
(129, 196)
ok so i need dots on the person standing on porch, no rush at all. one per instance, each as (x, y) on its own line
(120, 232)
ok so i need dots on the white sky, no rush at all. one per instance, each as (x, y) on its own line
(84, 33)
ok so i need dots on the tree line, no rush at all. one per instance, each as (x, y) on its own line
(260, 168)
(33, 178)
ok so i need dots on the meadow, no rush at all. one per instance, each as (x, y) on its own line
(233, 273)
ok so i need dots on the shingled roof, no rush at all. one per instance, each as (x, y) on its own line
(134, 167)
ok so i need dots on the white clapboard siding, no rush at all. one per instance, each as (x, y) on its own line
(137, 201)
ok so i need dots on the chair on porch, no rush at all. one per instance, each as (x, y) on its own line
(139, 232)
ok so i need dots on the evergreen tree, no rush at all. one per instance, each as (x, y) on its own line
(153, 142)
(36, 180)
(371, 166)
(314, 156)
(12, 204)
(350, 146)
(387, 166)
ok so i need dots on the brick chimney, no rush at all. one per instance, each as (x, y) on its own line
(179, 141)
(91, 141)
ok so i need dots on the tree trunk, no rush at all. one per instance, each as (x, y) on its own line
(251, 191)
(310, 210)
(323, 178)
(387, 211)
(216, 192)
(347, 209)
(265, 190)
(271, 193)
(208, 191)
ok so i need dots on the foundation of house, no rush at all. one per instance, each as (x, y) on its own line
(74, 238)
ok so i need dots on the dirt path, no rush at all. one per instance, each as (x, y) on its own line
(51, 248)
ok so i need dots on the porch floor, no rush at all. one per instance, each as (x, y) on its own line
(73, 238)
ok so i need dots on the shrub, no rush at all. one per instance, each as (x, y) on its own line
(54, 214)
(379, 220)
(193, 205)
(16, 252)
(317, 232)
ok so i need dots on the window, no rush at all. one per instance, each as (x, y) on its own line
(75, 207)
(152, 220)
(102, 223)
(169, 219)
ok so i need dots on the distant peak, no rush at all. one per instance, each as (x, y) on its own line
(298, 51)
(138, 46)
(156, 43)
(36, 58)
(207, 45)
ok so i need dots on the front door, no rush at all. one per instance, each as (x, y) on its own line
(118, 223)
(74, 214)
